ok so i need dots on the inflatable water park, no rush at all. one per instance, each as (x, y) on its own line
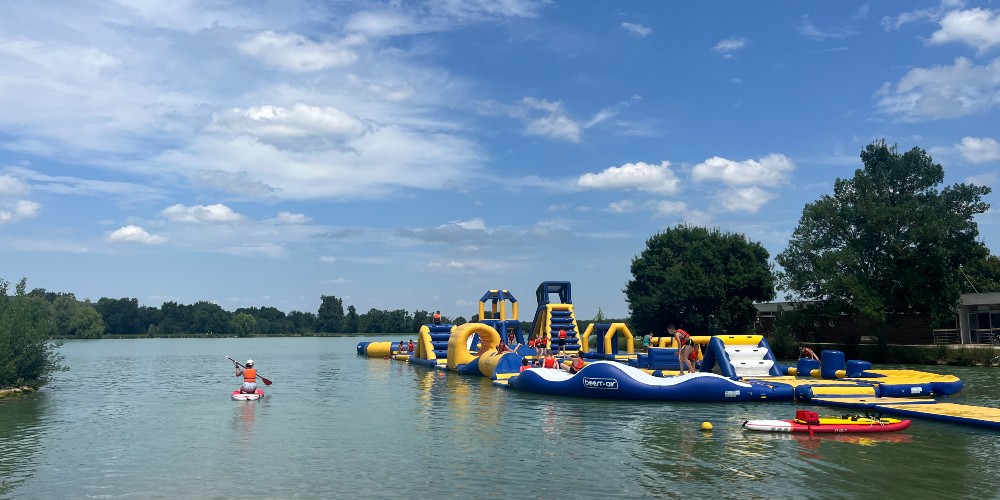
(554, 358)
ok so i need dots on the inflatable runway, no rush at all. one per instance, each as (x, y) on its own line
(610, 380)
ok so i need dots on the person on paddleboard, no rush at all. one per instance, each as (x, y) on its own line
(249, 374)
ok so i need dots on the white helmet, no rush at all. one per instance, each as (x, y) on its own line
(249, 362)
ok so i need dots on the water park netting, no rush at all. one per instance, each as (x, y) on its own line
(730, 368)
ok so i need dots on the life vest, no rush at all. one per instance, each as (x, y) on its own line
(562, 334)
(411, 346)
(249, 374)
(437, 318)
(684, 336)
(577, 364)
(550, 362)
(525, 367)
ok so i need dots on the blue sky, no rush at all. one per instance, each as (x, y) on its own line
(414, 154)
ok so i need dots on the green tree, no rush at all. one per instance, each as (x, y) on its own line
(243, 324)
(27, 356)
(330, 317)
(694, 277)
(351, 321)
(77, 319)
(120, 315)
(887, 241)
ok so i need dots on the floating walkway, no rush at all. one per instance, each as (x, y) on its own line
(930, 409)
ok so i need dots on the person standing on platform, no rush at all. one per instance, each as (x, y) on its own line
(684, 347)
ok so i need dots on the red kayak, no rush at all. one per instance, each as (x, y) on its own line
(251, 396)
(810, 422)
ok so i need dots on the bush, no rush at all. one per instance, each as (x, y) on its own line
(27, 356)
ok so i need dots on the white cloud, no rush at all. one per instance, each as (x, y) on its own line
(290, 218)
(749, 199)
(621, 207)
(641, 176)
(979, 150)
(22, 209)
(809, 30)
(987, 179)
(276, 122)
(961, 89)
(327, 259)
(771, 170)
(135, 234)
(554, 122)
(665, 208)
(10, 185)
(979, 28)
(201, 213)
(637, 29)
(298, 54)
(729, 45)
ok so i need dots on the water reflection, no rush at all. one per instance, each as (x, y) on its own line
(22, 430)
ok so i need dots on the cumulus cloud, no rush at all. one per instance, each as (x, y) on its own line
(771, 170)
(298, 54)
(327, 259)
(640, 176)
(979, 28)
(276, 122)
(199, 214)
(135, 234)
(961, 89)
(11, 185)
(637, 29)
(748, 199)
(729, 45)
(22, 209)
(979, 150)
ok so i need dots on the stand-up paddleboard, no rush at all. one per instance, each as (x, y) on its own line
(810, 422)
(252, 396)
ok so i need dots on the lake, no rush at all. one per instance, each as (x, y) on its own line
(152, 418)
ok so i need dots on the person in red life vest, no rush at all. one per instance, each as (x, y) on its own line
(524, 364)
(510, 337)
(684, 347)
(577, 364)
(249, 374)
(807, 353)
(549, 361)
(402, 346)
(562, 341)
(410, 345)
(542, 344)
(436, 319)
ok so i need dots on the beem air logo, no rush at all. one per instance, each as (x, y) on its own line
(600, 383)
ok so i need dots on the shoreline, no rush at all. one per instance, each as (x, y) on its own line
(15, 390)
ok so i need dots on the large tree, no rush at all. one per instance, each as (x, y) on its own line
(702, 280)
(887, 241)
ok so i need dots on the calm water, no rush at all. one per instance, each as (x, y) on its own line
(153, 419)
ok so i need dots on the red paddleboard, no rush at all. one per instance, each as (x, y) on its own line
(253, 396)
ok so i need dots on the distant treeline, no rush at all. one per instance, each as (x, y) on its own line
(72, 318)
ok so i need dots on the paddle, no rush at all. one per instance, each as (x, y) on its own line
(266, 381)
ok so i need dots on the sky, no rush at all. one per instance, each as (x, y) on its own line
(416, 154)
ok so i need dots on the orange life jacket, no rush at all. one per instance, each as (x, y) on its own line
(562, 334)
(524, 367)
(249, 374)
(550, 362)
(577, 364)
(437, 317)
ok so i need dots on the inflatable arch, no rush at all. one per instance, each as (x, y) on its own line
(609, 337)
(491, 363)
